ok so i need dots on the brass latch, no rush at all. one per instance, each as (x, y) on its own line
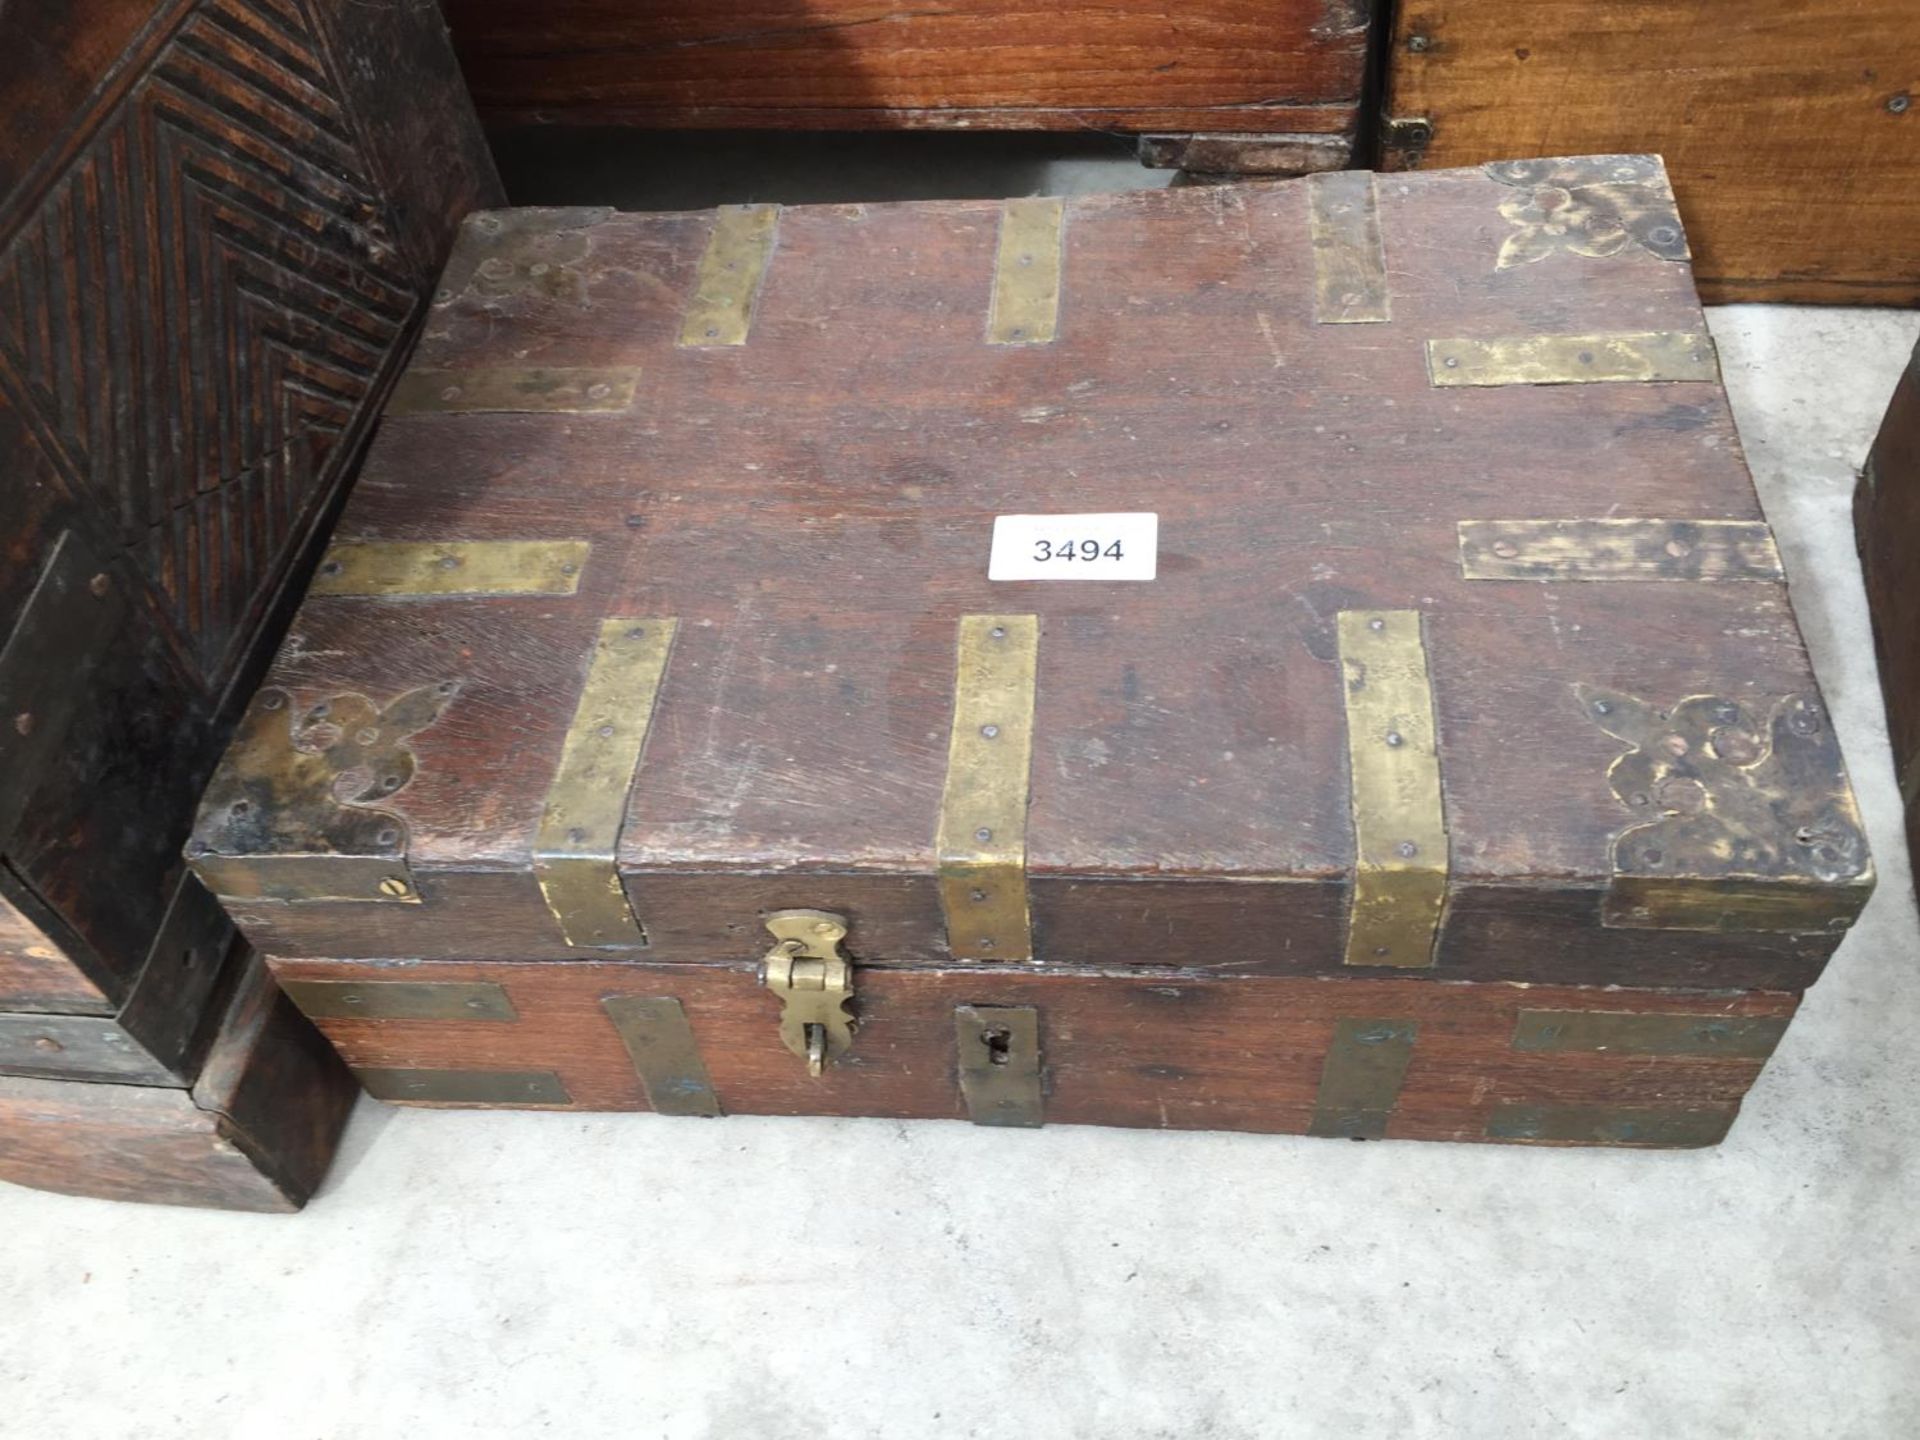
(814, 982)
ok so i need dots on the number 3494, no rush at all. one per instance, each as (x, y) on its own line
(1044, 550)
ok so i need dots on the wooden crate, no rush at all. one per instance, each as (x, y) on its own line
(1788, 128)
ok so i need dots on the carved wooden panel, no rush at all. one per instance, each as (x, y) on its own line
(192, 312)
(219, 223)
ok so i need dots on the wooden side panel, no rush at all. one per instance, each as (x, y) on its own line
(1173, 1050)
(1225, 65)
(219, 222)
(256, 1133)
(1886, 508)
(1789, 129)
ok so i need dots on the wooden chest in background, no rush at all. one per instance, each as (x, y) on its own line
(1381, 713)
(1886, 516)
(1789, 128)
(219, 225)
(1284, 73)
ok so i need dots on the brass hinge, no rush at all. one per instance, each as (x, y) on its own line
(814, 982)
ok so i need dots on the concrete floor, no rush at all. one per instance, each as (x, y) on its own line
(470, 1274)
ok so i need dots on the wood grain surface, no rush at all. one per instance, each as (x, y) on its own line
(1789, 129)
(218, 226)
(1225, 65)
(814, 506)
(1169, 1049)
(1886, 514)
(256, 1133)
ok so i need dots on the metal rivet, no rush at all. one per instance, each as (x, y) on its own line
(388, 836)
(449, 562)
(990, 731)
(450, 392)
(1677, 548)
(983, 833)
(599, 391)
(986, 942)
(606, 732)
(1505, 549)
(1406, 850)
(332, 567)
(1452, 362)
(100, 584)
(1418, 44)
(1899, 104)
(1395, 739)
(393, 885)
(977, 896)
(272, 702)
(999, 632)
(1376, 624)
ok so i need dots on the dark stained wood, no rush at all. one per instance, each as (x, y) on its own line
(220, 222)
(256, 1133)
(1886, 513)
(1789, 128)
(815, 505)
(1167, 1049)
(218, 225)
(1225, 65)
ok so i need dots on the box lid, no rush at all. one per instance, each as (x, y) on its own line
(664, 600)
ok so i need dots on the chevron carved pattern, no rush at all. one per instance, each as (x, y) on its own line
(197, 308)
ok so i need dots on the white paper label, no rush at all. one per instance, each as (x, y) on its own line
(1074, 547)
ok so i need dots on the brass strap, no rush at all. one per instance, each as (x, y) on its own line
(1735, 1037)
(1025, 309)
(400, 1000)
(1360, 1080)
(1573, 359)
(1349, 260)
(1562, 550)
(575, 849)
(999, 1052)
(1652, 1127)
(732, 269)
(473, 568)
(1399, 827)
(512, 1088)
(665, 1055)
(982, 839)
(562, 390)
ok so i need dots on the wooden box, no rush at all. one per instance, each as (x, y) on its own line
(1790, 128)
(657, 733)
(1278, 77)
(1886, 519)
(220, 222)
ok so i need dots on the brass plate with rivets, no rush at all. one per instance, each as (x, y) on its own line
(1573, 359)
(1566, 550)
(732, 269)
(511, 1088)
(1361, 1078)
(399, 1000)
(1025, 309)
(396, 569)
(999, 1061)
(565, 390)
(1401, 858)
(981, 844)
(575, 847)
(665, 1055)
(1736, 1037)
(1349, 260)
(1611, 1125)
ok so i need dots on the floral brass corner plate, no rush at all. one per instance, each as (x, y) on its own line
(1744, 821)
(1594, 205)
(296, 812)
